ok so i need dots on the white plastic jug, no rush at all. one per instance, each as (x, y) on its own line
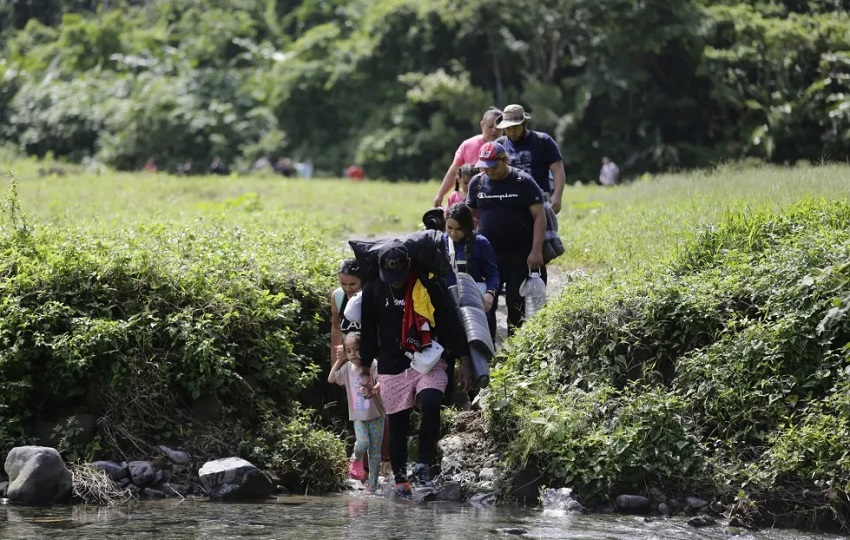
(534, 291)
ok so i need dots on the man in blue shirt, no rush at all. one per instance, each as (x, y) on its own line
(511, 216)
(533, 152)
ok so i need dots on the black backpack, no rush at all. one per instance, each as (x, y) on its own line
(426, 250)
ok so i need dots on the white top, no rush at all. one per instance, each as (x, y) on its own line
(359, 408)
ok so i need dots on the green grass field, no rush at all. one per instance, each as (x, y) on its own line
(604, 229)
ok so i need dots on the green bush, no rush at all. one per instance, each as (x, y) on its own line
(306, 457)
(135, 325)
(724, 367)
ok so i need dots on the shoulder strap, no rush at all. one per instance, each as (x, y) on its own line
(452, 260)
(339, 297)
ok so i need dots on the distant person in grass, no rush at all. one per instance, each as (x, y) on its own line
(609, 174)
(510, 211)
(355, 172)
(218, 167)
(467, 152)
(533, 152)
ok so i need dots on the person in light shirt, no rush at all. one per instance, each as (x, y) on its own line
(467, 152)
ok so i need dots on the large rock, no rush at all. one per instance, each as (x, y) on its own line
(37, 476)
(142, 473)
(178, 457)
(234, 479)
(633, 503)
(115, 471)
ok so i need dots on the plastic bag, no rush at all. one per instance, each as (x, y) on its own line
(553, 247)
(353, 307)
(425, 359)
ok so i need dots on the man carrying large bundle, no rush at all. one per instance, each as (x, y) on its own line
(402, 314)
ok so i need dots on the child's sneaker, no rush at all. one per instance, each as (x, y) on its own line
(355, 470)
(403, 489)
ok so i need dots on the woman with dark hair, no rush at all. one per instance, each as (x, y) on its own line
(349, 284)
(473, 255)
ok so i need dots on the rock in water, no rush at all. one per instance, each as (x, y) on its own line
(115, 471)
(37, 476)
(142, 473)
(633, 503)
(234, 479)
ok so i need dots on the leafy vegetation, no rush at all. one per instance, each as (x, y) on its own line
(722, 370)
(396, 84)
(698, 348)
(137, 326)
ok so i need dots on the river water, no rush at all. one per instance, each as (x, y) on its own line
(357, 516)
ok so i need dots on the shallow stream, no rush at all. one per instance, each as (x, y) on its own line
(357, 516)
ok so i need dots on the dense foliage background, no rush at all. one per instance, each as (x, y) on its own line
(396, 84)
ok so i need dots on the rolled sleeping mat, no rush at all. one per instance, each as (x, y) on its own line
(469, 295)
(476, 328)
(478, 360)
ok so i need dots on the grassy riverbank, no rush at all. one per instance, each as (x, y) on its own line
(714, 362)
(211, 293)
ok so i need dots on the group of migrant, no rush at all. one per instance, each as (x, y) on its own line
(430, 261)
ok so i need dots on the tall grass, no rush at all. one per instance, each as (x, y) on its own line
(604, 229)
(638, 223)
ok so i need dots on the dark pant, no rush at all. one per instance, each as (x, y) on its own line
(429, 431)
(491, 319)
(513, 269)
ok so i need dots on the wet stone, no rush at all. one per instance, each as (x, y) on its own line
(633, 503)
(482, 499)
(450, 491)
(696, 503)
(487, 473)
(151, 493)
(516, 531)
(114, 470)
(701, 521)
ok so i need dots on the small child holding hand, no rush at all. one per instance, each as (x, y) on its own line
(364, 408)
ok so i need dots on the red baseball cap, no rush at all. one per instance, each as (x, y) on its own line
(490, 155)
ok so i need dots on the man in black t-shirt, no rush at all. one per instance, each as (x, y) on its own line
(510, 214)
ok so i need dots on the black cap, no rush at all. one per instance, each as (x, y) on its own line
(393, 264)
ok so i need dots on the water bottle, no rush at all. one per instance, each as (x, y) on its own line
(534, 291)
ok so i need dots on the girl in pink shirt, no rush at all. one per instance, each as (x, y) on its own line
(464, 175)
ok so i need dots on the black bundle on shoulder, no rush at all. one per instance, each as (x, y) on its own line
(426, 250)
